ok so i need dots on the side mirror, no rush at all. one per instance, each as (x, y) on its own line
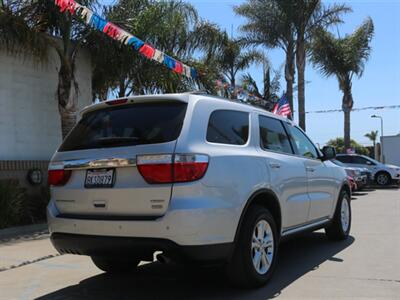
(328, 152)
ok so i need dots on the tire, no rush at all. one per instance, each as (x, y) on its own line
(382, 178)
(115, 264)
(241, 270)
(339, 229)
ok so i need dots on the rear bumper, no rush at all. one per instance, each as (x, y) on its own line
(184, 224)
(141, 247)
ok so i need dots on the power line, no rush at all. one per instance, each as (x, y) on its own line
(354, 109)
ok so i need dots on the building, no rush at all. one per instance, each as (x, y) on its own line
(30, 127)
(391, 149)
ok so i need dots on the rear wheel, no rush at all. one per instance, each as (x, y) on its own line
(255, 252)
(111, 264)
(339, 229)
(382, 178)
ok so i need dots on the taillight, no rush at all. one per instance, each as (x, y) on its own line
(116, 101)
(155, 168)
(166, 168)
(58, 177)
(189, 167)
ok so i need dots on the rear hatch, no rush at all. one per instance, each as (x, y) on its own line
(98, 160)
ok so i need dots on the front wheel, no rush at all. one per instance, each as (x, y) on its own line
(256, 249)
(339, 229)
(382, 178)
(112, 264)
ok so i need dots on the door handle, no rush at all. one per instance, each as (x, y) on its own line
(274, 165)
(310, 169)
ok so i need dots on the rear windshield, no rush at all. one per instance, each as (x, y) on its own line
(136, 124)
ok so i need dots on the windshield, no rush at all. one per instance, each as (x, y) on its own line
(128, 125)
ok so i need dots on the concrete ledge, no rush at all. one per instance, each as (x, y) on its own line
(14, 232)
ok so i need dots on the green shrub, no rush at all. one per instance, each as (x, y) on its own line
(12, 203)
(37, 205)
(338, 143)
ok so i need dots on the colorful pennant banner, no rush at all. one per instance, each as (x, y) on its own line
(116, 33)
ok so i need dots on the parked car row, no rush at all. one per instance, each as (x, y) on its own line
(197, 178)
(359, 177)
(377, 173)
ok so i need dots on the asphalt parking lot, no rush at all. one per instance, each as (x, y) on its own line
(367, 265)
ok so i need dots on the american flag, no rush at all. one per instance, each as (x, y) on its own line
(282, 108)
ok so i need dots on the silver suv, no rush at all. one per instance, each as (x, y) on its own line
(195, 177)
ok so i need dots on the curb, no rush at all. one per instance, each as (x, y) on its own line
(14, 232)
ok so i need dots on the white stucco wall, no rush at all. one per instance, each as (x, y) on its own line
(391, 149)
(30, 126)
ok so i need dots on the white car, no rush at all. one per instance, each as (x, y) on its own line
(196, 177)
(382, 174)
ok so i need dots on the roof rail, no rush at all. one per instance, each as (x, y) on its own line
(206, 93)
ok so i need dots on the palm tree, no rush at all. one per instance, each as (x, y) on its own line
(270, 26)
(271, 88)
(289, 25)
(231, 60)
(373, 135)
(178, 32)
(31, 27)
(307, 15)
(343, 58)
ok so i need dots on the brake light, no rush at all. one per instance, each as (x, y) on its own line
(117, 101)
(58, 177)
(171, 169)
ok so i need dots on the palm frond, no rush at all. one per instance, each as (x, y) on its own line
(343, 57)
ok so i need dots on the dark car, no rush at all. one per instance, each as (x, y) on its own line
(361, 176)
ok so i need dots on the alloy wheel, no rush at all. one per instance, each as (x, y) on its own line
(262, 247)
(345, 215)
(382, 179)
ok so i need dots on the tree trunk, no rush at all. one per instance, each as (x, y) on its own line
(301, 64)
(122, 89)
(233, 86)
(289, 74)
(67, 92)
(347, 105)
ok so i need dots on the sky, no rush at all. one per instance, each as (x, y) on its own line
(379, 85)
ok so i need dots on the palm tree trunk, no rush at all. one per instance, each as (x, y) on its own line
(67, 92)
(233, 84)
(347, 105)
(301, 64)
(122, 89)
(289, 74)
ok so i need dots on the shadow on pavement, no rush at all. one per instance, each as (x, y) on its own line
(357, 194)
(389, 187)
(167, 281)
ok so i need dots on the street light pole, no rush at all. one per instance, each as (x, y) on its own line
(379, 117)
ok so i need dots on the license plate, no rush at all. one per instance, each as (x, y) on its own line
(102, 178)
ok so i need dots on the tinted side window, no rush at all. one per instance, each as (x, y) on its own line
(361, 161)
(228, 127)
(344, 159)
(273, 135)
(302, 144)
